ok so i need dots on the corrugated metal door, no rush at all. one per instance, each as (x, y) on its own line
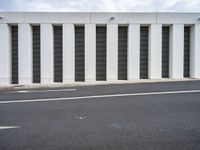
(36, 54)
(101, 53)
(14, 40)
(122, 53)
(144, 37)
(165, 52)
(57, 53)
(79, 53)
(186, 52)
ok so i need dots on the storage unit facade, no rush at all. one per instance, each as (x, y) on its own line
(47, 47)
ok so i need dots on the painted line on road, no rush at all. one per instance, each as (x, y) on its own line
(99, 96)
(8, 127)
(43, 91)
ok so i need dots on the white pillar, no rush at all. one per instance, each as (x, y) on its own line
(176, 51)
(68, 53)
(90, 52)
(155, 51)
(195, 51)
(133, 51)
(112, 52)
(5, 55)
(25, 54)
(47, 66)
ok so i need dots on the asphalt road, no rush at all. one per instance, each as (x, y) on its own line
(151, 116)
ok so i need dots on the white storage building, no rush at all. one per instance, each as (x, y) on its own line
(47, 47)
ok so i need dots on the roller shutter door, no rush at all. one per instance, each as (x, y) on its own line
(36, 54)
(144, 33)
(101, 53)
(165, 52)
(186, 52)
(122, 53)
(79, 53)
(57, 53)
(14, 45)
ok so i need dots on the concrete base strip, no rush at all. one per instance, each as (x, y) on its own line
(99, 96)
(43, 91)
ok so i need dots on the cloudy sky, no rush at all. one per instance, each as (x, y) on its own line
(101, 5)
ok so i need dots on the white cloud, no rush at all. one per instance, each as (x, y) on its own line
(101, 5)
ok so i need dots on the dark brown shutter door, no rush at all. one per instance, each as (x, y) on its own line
(79, 53)
(101, 53)
(36, 54)
(165, 52)
(186, 52)
(14, 45)
(122, 53)
(144, 33)
(57, 53)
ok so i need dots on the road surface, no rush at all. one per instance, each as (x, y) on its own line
(146, 116)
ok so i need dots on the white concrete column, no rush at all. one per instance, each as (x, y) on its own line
(155, 51)
(133, 51)
(47, 66)
(112, 52)
(90, 52)
(68, 53)
(25, 63)
(5, 55)
(176, 51)
(195, 52)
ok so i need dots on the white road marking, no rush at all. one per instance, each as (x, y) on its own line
(8, 127)
(42, 91)
(99, 96)
(20, 92)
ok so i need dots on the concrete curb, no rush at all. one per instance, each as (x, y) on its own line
(77, 84)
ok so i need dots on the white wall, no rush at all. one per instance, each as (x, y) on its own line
(176, 51)
(133, 52)
(5, 54)
(155, 51)
(90, 52)
(112, 52)
(47, 71)
(68, 53)
(195, 51)
(25, 54)
(99, 18)
(46, 20)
